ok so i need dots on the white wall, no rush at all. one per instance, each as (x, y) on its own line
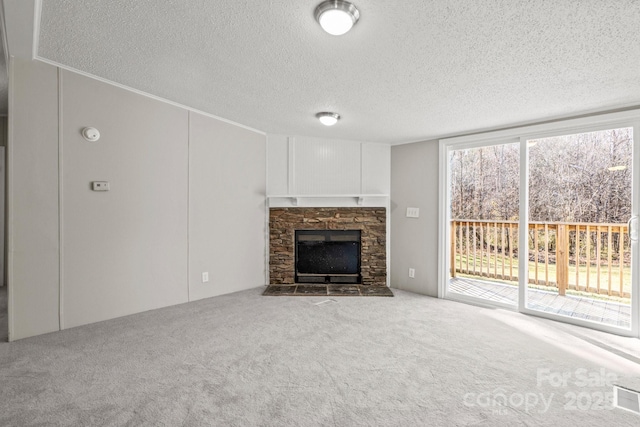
(3, 163)
(125, 250)
(77, 256)
(32, 196)
(226, 207)
(414, 242)
(312, 166)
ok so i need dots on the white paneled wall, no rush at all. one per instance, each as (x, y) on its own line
(308, 168)
(125, 250)
(315, 166)
(181, 185)
(376, 169)
(277, 165)
(326, 167)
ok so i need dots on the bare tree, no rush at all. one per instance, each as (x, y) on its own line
(573, 178)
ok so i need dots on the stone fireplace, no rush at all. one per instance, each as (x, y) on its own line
(369, 221)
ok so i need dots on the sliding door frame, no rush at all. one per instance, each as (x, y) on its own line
(630, 118)
(443, 289)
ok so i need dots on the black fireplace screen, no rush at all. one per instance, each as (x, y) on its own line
(327, 256)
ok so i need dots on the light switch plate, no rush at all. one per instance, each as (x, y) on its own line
(100, 186)
(413, 212)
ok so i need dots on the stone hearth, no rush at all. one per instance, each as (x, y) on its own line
(370, 221)
(328, 290)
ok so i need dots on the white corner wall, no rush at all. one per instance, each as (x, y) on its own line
(182, 184)
(226, 207)
(414, 243)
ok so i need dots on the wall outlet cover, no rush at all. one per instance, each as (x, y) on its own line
(413, 212)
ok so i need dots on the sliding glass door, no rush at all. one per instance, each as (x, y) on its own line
(580, 205)
(543, 220)
(484, 191)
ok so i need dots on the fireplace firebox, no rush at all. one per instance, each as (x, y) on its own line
(327, 256)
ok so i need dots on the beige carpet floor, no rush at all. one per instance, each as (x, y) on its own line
(250, 360)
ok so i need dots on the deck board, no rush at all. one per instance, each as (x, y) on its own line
(606, 312)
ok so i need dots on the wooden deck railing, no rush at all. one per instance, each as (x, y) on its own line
(593, 258)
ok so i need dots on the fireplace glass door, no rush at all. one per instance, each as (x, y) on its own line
(327, 256)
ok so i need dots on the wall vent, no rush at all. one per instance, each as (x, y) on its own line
(626, 399)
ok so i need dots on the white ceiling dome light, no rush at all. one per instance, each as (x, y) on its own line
(336, 17)
(328, 119)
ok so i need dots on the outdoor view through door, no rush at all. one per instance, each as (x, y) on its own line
(579, 203)
(485, 185)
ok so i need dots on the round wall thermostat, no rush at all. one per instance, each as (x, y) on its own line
(91, 134)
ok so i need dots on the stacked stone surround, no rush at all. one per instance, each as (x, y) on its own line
(372, 223)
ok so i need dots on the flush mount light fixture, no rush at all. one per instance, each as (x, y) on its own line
(328, 119)
(336, 17)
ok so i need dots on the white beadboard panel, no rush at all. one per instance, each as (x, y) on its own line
(323, 166)
(347, 201)
(277, 164)
(376, 171)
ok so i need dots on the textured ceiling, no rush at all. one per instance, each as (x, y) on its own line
(408, 70)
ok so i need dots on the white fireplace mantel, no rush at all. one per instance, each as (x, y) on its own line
(327, 200)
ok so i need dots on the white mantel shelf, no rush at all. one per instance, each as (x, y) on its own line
(298, 199)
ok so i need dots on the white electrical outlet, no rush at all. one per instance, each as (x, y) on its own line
(412, 273)
(205, 277)
(413, 212)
